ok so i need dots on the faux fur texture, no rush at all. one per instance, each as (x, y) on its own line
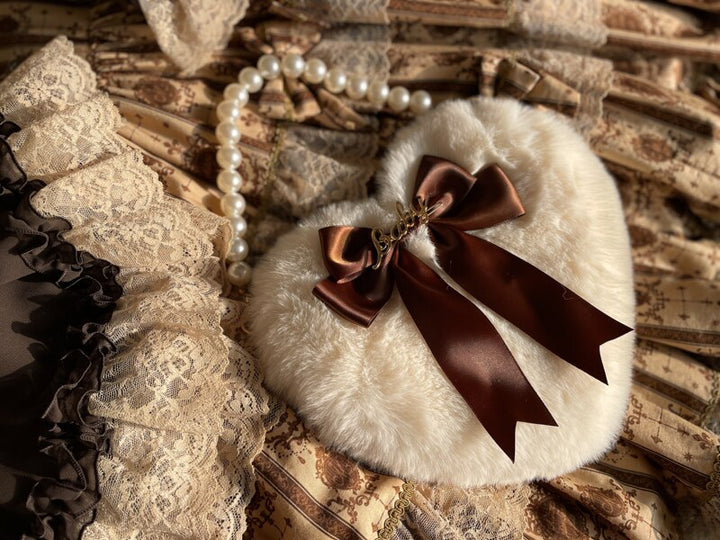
(378, 394)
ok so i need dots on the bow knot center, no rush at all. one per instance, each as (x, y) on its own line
(417, 214)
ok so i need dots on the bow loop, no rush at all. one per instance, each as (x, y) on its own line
(346, 251)
(465, 201)
(354, 289)
(491, 200)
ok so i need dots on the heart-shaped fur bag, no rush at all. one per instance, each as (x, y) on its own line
(387, 388)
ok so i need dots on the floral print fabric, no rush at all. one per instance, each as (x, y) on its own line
(638, 82)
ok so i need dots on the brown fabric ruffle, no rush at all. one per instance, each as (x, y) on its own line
(55, 301)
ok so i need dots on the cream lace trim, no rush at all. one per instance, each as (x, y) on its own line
(337, 11)
(316, 167)
(357, 49)
(561, 21)
(452, 513)
(188, 31)
(184, 400)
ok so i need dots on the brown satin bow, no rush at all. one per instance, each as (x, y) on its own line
(464, 342)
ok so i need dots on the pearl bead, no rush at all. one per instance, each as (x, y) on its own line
(233, 205)
(238, 250)
(315, 70)
(239, 227)
(269, 66)
(293, 65)
(229, 181)
(399, 98)
(228, 110)
(420, 101)
(377, 93)
(239, 273)
(356, 87)
(227, 132)
(237, 93)
(335, 80)
(251, 78)
(228, 157)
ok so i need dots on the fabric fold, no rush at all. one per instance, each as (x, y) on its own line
(55, 304)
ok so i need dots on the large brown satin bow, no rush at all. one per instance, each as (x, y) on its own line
(464, 342)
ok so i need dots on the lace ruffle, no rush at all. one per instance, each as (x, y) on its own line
(188, 31)
(184, 400)
(63, 503)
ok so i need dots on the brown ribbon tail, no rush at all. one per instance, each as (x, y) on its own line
(470, 352)
(544, 309)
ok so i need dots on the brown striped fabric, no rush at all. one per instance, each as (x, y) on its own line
(645, 98)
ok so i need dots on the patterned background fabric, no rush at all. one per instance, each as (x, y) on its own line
(638, 79)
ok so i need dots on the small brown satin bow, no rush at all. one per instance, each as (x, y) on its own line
(464, 342)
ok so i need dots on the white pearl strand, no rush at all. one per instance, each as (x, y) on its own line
(236, 96)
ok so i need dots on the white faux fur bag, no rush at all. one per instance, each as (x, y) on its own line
(378, 393)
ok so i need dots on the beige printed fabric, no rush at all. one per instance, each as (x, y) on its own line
(304, 486)
(646, 99)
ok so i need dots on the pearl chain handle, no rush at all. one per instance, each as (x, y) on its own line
(236, 96)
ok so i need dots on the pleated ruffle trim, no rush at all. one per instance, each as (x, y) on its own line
(63, 503)
(184, 400)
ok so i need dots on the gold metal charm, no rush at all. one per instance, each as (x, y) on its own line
(409, 220)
